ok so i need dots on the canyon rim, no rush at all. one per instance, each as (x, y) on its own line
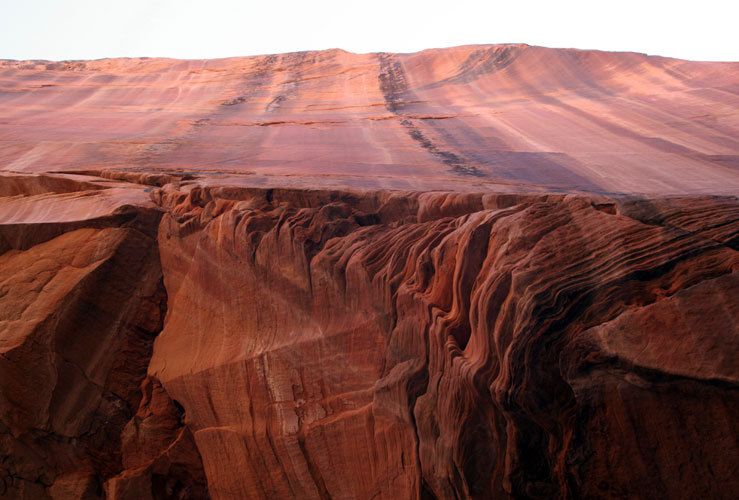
(496, 271)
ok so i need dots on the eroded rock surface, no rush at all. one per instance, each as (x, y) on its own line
(177, 324)
(500, 117)
(452, 345)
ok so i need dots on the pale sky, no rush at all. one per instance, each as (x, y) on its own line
(91, 29)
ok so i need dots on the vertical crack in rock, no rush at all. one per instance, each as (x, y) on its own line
(81, 305)
(160, 457)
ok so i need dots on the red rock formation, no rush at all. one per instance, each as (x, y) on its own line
(327, 275)
(467, 118)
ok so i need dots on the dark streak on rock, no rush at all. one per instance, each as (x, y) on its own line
(395, 91)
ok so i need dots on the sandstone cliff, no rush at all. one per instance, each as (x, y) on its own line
(481, 272)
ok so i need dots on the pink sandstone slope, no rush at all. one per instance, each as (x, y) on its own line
(507, 117)
(477, 272)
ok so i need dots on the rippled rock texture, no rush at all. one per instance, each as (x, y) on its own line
(175, 325)
(320, 344)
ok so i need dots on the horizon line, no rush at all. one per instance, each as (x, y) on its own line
(329, 49)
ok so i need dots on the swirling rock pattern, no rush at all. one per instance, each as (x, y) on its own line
(455, 346)
(478, 320)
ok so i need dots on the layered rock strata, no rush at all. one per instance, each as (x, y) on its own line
(489, 117)
(476, 272)
(240, 343)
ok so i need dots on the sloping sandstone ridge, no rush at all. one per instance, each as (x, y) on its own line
(479, 272)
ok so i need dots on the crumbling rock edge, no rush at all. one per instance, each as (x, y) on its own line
(246, 342)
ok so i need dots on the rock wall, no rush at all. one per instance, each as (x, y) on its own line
(278, 343)
(477, 272)
(476, 118)
(81, 302)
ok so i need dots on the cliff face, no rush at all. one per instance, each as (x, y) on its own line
(184, 327)
(473, 118)
(330, 344)
(452, 345)
(81, 301)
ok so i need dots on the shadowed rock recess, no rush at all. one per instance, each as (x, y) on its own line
(478, 272)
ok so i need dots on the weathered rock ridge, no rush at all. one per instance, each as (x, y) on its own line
(482, 272)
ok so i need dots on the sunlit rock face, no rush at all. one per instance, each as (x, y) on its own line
(466, 118)
(478, 272)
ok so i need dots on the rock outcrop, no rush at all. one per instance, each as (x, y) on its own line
(179, 319)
